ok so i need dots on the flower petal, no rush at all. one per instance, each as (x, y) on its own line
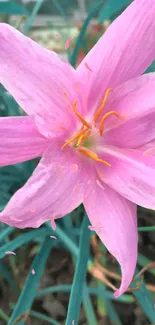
(132, 174)
(20, 140)
(125, 51)
(38, 79)
(134, 101)
(56, 188)
(114, 220)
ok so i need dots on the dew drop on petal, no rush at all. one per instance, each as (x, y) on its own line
(68, 42)
(88, 67)
(10, 253)
(33, 272)
(99, 184)
(53, 237)
(74, 168)
(53, 224)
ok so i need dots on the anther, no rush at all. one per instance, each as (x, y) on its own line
(101, 127)
(92, 155)
(100, 109)
(84, 122)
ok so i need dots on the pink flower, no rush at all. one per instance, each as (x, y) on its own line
(93, 128)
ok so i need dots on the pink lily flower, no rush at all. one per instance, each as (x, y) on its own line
(93, 127)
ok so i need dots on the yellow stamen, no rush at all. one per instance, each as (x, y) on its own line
(84, 122)
(92, 155)
(76, 136)
(100, 109)
(83, 137)
(101, 127)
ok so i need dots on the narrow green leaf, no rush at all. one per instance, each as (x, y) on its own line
(7, 231)
(151, 68)
(126, 298)
(88, 307)
(3, 315)
(29, 291)
(91, 14)
(143, 261)
(151, 228)
(32, 16)
(67, 241)
(7, 275)
(23, 239)
(145, 299)
(112, 314)
(80, 275)
(112, 9)
(44, 318)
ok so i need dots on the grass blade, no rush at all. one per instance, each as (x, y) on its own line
(23, 239)
(29, 291)
(91, 14)
(80, 274)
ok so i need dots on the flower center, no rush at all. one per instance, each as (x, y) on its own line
(82, 139)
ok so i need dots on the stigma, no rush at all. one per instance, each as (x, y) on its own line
(81, 140)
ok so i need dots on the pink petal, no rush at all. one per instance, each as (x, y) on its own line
(33, 272)
(39, 81)
(20, 140)
(114, 220)
(132, 174)
(10, 253)
(134, 101)
(53, 190)
(125, 51)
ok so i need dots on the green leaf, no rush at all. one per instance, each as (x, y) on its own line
(126, 298)
(3, 315)
(80, 275)
(150, 228)
(80, 38)
(29, 291)
(143, 261)
(44, 318)
(145, 299)
(88, 307)
(151, 68)
(113, 316)
(23, 239)
(32, 16)
(7, 275)
(112, 8)
(7, 231)
(12, 8)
